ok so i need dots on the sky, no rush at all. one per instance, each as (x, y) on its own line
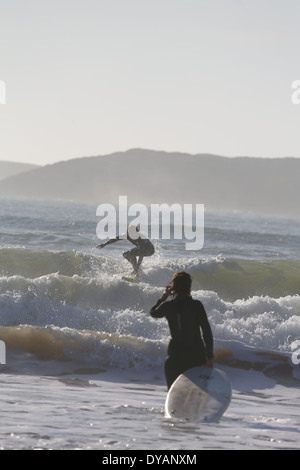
(93, 77)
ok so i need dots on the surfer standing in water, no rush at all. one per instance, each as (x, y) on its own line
(142, 247)
(187, 319)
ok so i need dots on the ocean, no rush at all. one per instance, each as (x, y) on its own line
(84, 360)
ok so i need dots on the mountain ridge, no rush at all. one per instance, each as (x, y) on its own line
(252, 184)
(8, 169)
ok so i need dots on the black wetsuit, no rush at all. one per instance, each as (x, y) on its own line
(143, 247)
(187, 318)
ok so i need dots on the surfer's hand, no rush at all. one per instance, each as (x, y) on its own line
(101, 245)
(168, 291)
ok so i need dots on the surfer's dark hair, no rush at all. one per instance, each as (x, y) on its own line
(182, 282)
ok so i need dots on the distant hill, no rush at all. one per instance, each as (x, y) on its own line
(13, 168)
(248, 184)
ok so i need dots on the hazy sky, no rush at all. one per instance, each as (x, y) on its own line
(90, 77)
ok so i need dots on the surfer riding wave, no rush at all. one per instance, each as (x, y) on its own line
(142, 247)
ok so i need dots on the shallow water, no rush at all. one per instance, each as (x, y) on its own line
(113, 411)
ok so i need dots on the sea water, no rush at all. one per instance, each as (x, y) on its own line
(84, 360)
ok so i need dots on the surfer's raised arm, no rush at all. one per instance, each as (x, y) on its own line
(112, 240)
(158, 310)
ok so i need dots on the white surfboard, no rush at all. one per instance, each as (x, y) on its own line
(199, 394)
